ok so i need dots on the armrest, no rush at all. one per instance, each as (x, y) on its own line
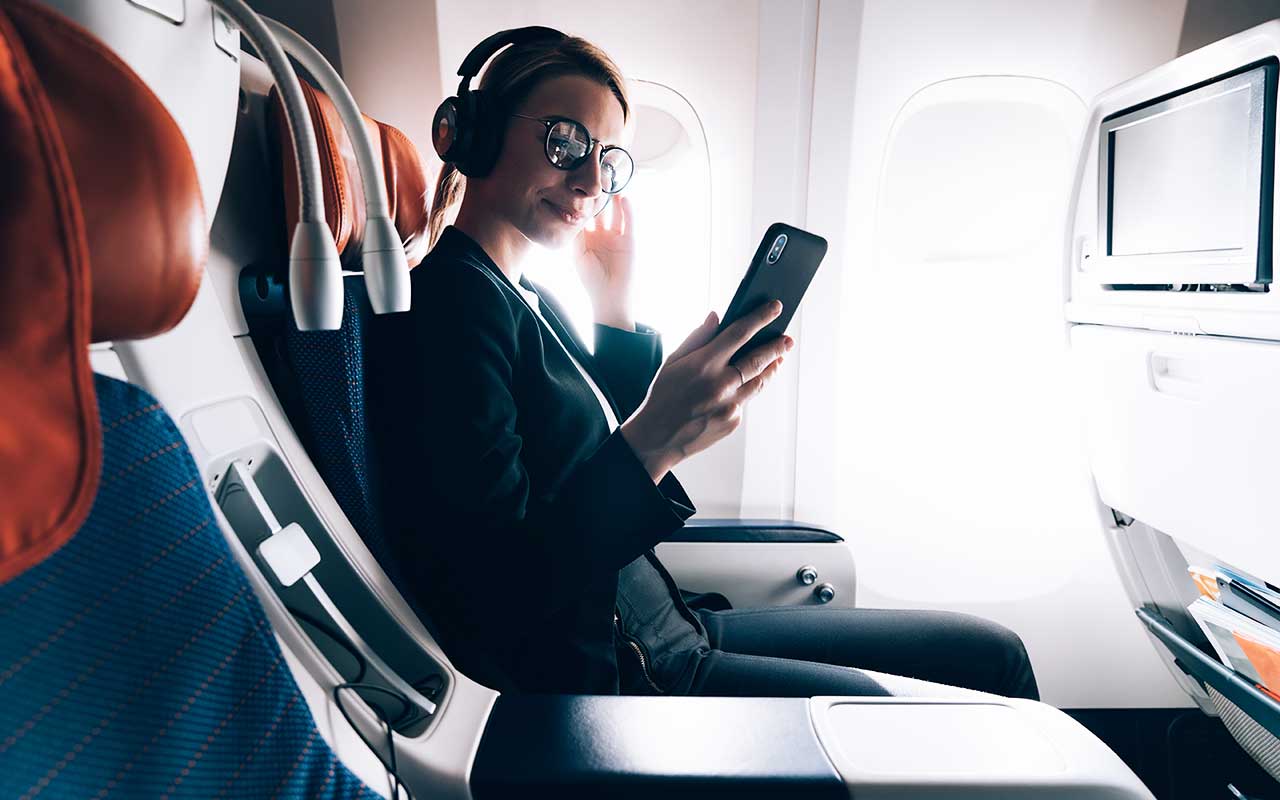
(873, 748)
(668, 747)
(751, 530)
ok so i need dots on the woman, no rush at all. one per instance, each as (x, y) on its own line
(533, 478)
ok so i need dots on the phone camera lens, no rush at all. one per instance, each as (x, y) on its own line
(775, 252)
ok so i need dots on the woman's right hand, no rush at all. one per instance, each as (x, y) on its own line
(697, 397)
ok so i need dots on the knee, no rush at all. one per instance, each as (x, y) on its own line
(1011, 674)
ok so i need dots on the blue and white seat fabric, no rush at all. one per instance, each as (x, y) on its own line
(136, 660)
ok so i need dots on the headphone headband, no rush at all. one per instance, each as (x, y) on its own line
(482, 52)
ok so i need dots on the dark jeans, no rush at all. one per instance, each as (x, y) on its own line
(803, 652)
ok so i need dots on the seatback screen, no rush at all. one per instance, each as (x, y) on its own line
(1185, 184)
(1180, 180)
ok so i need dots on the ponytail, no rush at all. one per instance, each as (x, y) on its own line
(449, 188)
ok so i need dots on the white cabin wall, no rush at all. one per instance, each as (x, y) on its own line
(391, 64)
(883, 457)
(783, 123)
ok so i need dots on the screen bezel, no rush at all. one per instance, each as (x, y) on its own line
(1245, 265)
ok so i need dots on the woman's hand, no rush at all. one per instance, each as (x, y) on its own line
(697, 397)
(605, 255)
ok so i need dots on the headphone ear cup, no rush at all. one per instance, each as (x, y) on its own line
(445, 130)
(486, 134)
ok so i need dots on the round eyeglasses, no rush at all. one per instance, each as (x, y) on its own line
(569, 143)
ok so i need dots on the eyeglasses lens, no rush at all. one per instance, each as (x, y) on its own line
(616, 168)
(567, 144)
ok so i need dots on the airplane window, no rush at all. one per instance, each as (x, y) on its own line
(980, 163)
(671, 195)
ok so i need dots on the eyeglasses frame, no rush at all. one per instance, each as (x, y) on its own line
(550, 123)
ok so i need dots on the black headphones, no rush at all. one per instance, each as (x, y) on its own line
(467, 129)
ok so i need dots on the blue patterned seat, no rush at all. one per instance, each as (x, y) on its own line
(320, 377)
(135, 661)
(325, 401)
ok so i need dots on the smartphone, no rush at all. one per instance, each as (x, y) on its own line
(784, 264)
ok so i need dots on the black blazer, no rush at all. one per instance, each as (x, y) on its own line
(512, 507)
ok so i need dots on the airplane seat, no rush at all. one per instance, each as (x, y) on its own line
(332, 423)
(305, 366)
(406, 178)
(319, 375)
(135, 659)
(1174, 326)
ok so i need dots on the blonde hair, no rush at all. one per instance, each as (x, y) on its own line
(510, 78)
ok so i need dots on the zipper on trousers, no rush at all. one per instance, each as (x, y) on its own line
(635, 647)
(677, 599)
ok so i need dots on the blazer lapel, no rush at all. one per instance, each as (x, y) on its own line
(566, 335)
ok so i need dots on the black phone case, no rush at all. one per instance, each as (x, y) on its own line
(785, 280)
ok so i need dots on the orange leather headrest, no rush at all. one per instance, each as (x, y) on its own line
(102, 200)
(344, 203)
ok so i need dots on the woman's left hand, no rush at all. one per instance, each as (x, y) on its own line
(605, 255)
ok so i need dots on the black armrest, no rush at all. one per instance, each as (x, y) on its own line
(652, 747)
(751, 530)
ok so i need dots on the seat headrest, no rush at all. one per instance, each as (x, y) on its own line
(102, 199)
(344, 204)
